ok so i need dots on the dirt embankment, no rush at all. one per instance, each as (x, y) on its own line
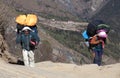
(59, 70)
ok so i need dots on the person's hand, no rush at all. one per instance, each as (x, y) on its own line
(32, 42)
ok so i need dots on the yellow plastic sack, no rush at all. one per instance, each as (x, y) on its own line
(31, 20)
(21, 19)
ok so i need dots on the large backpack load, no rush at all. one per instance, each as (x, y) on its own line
(96, 25)
(93, 28)
(21, 19)
(29, 20)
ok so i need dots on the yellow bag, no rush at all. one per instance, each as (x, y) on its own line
(31, 20)
(21, 19)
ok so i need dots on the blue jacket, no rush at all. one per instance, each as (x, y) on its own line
(25, 40)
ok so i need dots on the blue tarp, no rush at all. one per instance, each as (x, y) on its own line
(84, 34)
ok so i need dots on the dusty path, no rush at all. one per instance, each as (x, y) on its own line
(59, 70)
(70, 25)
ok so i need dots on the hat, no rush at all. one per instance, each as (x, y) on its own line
(26, 28)
(102, 34)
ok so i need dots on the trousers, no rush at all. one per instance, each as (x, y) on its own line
(28, 58)
(98, 56)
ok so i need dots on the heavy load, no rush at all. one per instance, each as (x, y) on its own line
(21, 19)
(27, 20)
(96, 25)
(31, 20)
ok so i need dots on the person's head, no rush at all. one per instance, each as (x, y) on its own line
(102, 34)
(26, 30)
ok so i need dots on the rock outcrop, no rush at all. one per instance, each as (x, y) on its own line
(4, 51)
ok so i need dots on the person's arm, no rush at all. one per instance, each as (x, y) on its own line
(94, 40)
(36, 37)
(18, 38)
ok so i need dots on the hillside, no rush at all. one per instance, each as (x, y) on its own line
(61, 53)
(60, 41)
(69, 35)
(59, 70)
(77, 10)
(49, 49)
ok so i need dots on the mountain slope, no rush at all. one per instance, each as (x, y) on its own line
(49, 49)
(59, 9)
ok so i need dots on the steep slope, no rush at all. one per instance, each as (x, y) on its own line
(62, 53)
(49, 49)
(59, 9)
(6, 14)
(69, 34)
(59, 70)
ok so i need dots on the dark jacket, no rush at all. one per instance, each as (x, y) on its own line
(25, 40)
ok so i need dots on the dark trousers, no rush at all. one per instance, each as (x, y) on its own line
(98, 56)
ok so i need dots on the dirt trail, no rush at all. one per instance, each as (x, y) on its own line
(59, 70)
(64, 25)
